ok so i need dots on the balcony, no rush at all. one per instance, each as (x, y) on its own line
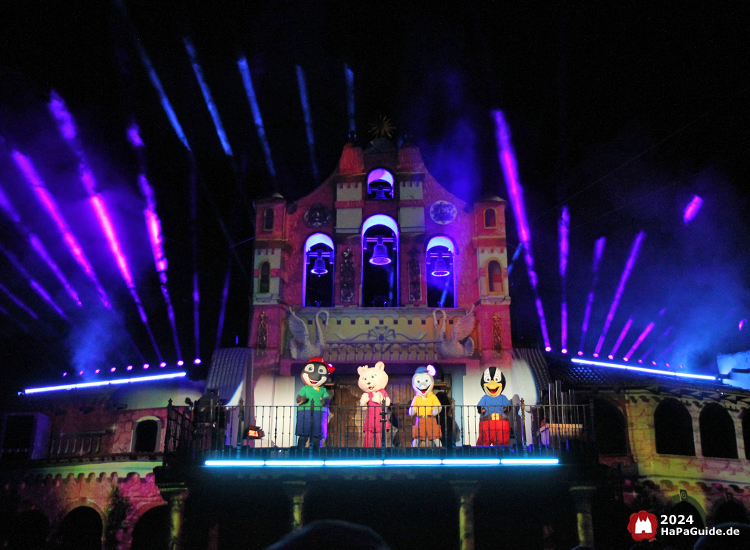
(267, 436)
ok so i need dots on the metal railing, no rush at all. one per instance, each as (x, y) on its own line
(79, 444)
(360, 432)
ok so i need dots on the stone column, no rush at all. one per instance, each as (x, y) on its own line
(296, 491)
(175, 496)
(582, 501)
(465, 492)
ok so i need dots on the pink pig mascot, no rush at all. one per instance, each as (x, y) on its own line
(373, 381)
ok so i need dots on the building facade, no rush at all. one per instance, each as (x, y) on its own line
(379, 263)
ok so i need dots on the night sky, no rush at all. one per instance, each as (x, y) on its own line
(622, 114)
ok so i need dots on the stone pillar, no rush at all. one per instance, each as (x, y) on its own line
(296, 491)
(465, 492)
(175, 496)
(582, 500)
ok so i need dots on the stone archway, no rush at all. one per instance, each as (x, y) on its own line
(80, 529)
(151, 531)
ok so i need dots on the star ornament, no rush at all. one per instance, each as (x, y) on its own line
(383, 127)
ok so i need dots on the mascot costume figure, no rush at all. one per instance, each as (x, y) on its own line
(312, 401)
(425, 406)
(494, 428)
(373, 381)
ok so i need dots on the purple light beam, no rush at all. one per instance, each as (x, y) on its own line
(515, 193)
(563, 228)
(16, 300)
(6, 205)
(257, 118)
(649, 350)
(623, 333)
(212, 109)
(153, 228)
(223, 310)
(598, 252)
(349, 75)
(100, 208)
(308, 118)
(39, 289)
(620, 289)
(691, 210)
(639, 341)
(43, 195)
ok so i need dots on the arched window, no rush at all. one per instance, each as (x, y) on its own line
(495, 277)
(673, 428)
(265, 278)
(609, 424)
(746, 431)
(268, 219)
(380, 184)
(146, 436)
(441, 273)
(718, 439)
(318, 275)
(379, 261)
(490, 219)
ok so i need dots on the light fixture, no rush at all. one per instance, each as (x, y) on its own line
(84, 385)
(162, 364)
(320, 265)
(440, 270)
(380, 254)
(180, 363)
(197, 361)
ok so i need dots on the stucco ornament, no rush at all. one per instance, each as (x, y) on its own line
(300, 344)
(460, 343)
(443, 212)
(317, 216)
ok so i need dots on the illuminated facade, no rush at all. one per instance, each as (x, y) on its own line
(379, 263)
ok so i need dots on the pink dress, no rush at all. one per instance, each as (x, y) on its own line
(373, 428)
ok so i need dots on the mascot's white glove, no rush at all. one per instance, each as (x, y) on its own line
(364, 399)
(377, 397)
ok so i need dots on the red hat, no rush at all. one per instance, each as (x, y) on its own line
(320, 360)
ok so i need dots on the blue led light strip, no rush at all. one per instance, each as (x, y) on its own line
(643, 369)
(365, 463)
(106, 383)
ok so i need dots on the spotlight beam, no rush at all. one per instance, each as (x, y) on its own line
(223, 309)
(39, 289)
(563, 232)
(691, 210)
(206, 91)
(153, 228)
(257, 118)
(349, 76)
(308, 118)
(515, 193)
(16, 300)
(6, 205)
(47, 201)
(639, 340)
(86, 175)
(620, 289)
(621, 337)
(153, 77)
(661, 339)
(598, 252)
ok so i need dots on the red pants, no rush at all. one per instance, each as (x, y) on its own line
(494, 432)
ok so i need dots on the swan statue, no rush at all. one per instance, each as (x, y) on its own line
(460, 343)
(300, 346)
